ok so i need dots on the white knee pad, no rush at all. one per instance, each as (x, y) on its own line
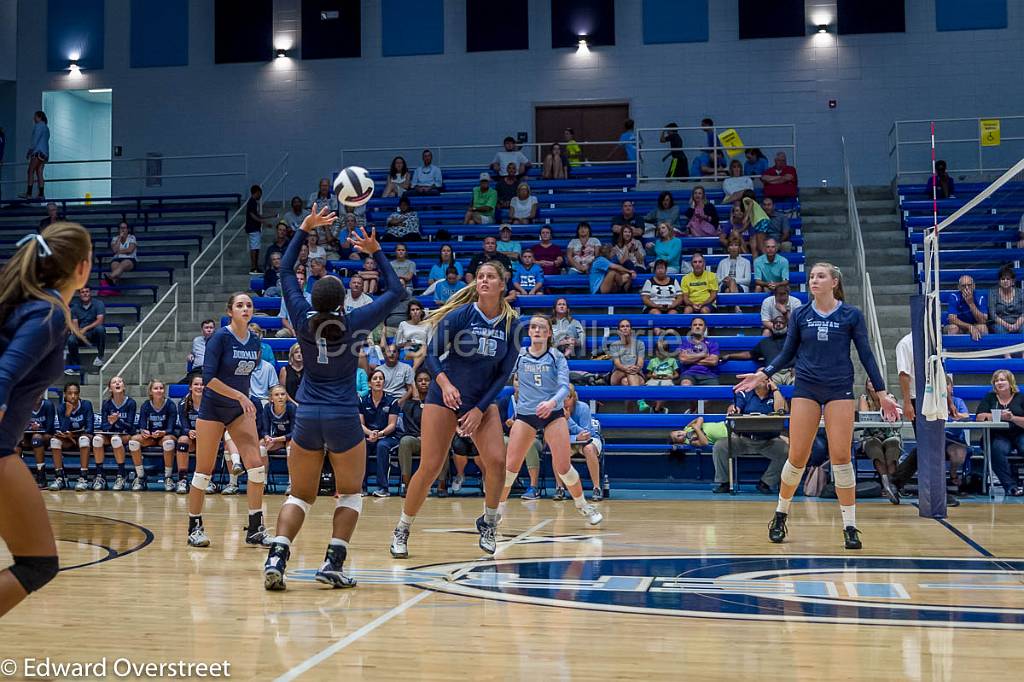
(201, 481)
(257, 474)
(351, 501)
(116, 442)
(55, 444)
(97, 442)
(791, 475)
(844, 475)
(263, 451)
(168, 445)
(83, 441)
(571, 477)
(298, 502)
(510, 478)
(133, 445)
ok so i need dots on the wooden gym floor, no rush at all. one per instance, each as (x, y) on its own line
(664, 589)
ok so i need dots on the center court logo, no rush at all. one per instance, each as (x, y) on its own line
(940, 592)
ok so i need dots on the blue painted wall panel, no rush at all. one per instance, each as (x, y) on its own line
(412, 27)
(74, 27)
(957, 15)
(159, 33)
(675, 21)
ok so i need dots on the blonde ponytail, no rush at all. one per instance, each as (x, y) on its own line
(470, 295)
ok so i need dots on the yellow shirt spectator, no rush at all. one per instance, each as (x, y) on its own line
(699, 287)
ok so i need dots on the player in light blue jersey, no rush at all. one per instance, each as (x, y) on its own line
(543, 374)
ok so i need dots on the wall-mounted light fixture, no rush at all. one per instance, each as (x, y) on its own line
(97, 91)
(581, 46)
(74, 70)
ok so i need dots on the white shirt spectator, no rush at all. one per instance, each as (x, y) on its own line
(769, 311)
(353, 303)
(504, 158)
(733, 185)
(661, 294)
(129, 242)
(522, 207)
(294, 220)
(262, 379)
(905, 361)
(427, 175)
(397, 379)
(412, 334)
(199, 350)
(738, 268)
(283, 313)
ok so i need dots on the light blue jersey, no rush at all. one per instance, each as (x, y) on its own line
(541, 378)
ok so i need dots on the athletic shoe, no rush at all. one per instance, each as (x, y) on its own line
(951, 501)
(400, 543)
(590, 513)
(642, 406)
(182, 487)
(488, 543)
(777, 528)
(198, 538)
(332, 572)
(168, 484)
(457, 483)
(82, 484)
(119, 482)
(99, 483)
(211, 488)
(41, 478)
(531, 494)
(139, 484)
(721, 488)
(890, 493)
(229, 489)
(98, 362)
(764, 488)
(259, 537)
(442, 491)
(70, 372)
(382, 492)
(237, 469)
(57, 484)
(559, 494)
(851, 538)
(273, 569)
(597, 495)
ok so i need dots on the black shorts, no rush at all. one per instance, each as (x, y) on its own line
(821, 394)
(538, 423)
(318, 427)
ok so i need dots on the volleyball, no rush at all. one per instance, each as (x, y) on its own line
(353, 186)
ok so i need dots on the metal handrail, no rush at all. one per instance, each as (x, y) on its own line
(901, 168)
(219, 238)
(143, 340)
(142, 175)
(715, 129)
(438, 151)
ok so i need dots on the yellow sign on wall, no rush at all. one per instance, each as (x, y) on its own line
(730, 139)
(990, 132)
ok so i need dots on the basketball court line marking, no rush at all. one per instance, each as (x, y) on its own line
(320, 657)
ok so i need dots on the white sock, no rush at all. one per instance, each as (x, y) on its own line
(40, 465)
(849, 515)
(140, 471)
(233, 479)
(283, 540)
(580, 501)
(783, 505)
(501, 508)
(490, 516)
(339, 542)
(405, 521)
(236, 458)
(167, 472)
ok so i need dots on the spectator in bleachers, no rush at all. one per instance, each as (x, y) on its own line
(290, 376)
(628, 355)
(349, 226)
(427, 178)
(708, 126)
(267, 353)
(124, 252)
(756, 163)
(573, 150)
(510, 156)
(490, 252)
(254, 222)
(627, 216)
(89, 315)
(758, 222)
(661, 294)
(527, 276)
(280, 243)
(358, 211)
(555, 166)
(369, 276)
(272, 277)
(778, 225)
(699, 433)
(523, 208)
(780, 304)
(403, 224)
(399, 178)
(585, 437)
(702, 216)
(1006, 403)
(780, 181)
(314, 250)
(770, 269)
(53, 215)
(198, 353)
(666, 212)
(567, 333)
(412, 332)
(262, 380)
(734, 272)
(764, 399)
(356, 296)
(278, 417)
(737, 183)
(287, 331)
(968, 310)
(444, 289)
(582, 250)
(317, 270)
(482, 206)
(548, 254)
(378, 413)
(708, 164)
(767, 349)
(506, 245)
(38, 154)
(669, 248)
(882, 445)
(411, 428)
(629, 252)
(446, 258)
(1006, 303)
(942, 181)
(322, 197)
(398, 376)
(293, 218)
(403, 267)
(737, 228)
(627, 140)
(607, 277)
(507, 187)
(699, 288)
(678, 166)
(662, 370)
(698, 356)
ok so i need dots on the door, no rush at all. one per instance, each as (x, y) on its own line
(590, 122)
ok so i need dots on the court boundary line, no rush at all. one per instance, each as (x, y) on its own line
(321, 656)
(966, 538)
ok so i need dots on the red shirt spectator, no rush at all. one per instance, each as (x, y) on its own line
(780, 180)
(548, 254)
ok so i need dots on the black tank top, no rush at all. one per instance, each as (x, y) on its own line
(292, 378)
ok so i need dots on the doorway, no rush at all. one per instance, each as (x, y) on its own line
(80, 130)
(590, 122)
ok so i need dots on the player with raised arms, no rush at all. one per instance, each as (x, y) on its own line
(819, 340)
(36, 285)
(543, 375)
(328, 413)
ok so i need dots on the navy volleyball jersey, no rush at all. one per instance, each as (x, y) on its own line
(329, 376)
(80, 419)
(475, 353)
(32, 341)
(232, 360)
(42, 420)
(164, 419)
(125, 416)
(186, 417)
(277, 425)
(820, 344)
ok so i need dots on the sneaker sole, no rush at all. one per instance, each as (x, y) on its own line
(198, 544)
(398, 555)
(595, 521)
(327, 580)
(273, 581)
